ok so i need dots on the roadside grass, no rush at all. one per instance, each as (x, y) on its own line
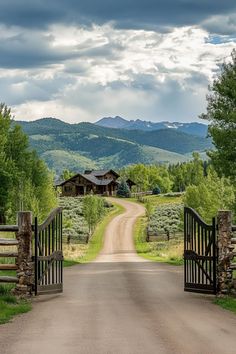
(84, 253)
(170, 252)
(164, 251)
(10, 305)
(156, 200)
(227, 303)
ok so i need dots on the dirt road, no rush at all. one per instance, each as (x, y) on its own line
(120, 304)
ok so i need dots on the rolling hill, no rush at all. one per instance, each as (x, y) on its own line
(86, 145)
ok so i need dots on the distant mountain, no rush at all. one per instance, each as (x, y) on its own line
(80, 146)
(121, 123)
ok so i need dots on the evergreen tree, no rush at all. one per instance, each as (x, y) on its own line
(221, 113)
(123, 190)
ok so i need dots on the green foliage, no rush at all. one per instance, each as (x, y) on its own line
(148, 206)
(156, 190)
(186, 174)
(212, 194)
(93, 211)
(25, 182)
(166, 218)
(221, 112)
(66, 174)
(75, 228)
(123, 190)
(147, 177)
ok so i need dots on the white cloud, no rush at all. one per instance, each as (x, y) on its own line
(86, 73)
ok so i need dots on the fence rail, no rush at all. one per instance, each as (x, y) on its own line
(9, 228)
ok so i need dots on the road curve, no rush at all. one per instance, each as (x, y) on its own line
(120, 304)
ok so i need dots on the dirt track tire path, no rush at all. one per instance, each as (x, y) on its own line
(122, 304)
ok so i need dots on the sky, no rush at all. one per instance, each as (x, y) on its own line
(81, 60)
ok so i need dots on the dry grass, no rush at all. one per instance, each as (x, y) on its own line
(75, 252)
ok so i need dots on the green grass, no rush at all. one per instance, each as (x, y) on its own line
(161, 251)
(69, 263)
(227, 303)
(10, 306)
(87, 253)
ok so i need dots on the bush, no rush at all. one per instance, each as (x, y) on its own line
(156, 190)
(123, 190)
(166, 219)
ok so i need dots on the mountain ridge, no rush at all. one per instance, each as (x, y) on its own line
(76, 146)
(117, 122)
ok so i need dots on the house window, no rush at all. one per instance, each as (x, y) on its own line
(68, 188)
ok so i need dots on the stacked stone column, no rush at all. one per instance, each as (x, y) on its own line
(25, 266)
(225, 249)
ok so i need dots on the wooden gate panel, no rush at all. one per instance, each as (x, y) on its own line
(49, 255)
(200, 253)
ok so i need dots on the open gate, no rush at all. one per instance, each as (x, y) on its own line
(200, 254)
(48, 254)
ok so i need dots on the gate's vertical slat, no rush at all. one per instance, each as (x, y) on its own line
(214, 249)
(61, 248)
(36, 256)
(198, 250)
(185, 247)
(206, 242)
(195, 250)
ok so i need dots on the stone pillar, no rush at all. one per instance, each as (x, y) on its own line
(25, 266)
(225, 276)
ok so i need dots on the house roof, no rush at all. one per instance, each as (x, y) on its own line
(95, 180)
(91, 178)
(100, 173)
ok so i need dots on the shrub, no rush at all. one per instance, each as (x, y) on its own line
(156, 190)
(123, 190)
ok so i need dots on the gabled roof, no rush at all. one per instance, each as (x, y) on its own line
(100, 173)
(91, 178)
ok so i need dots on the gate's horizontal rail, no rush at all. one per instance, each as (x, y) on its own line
(8, 242)
(6, 279)
(48, 221)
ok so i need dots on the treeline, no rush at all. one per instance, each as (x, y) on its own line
(205, 189)
(164, 178)
(25, 181)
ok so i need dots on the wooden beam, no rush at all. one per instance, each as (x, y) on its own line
(7, 266)
(8, 242)
(5, 279)
(9, 228)
(8, 254)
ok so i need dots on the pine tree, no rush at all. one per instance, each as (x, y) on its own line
(123, 190)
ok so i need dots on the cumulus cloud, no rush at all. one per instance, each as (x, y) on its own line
(156, 68)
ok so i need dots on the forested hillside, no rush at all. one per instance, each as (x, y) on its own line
(76, 146)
